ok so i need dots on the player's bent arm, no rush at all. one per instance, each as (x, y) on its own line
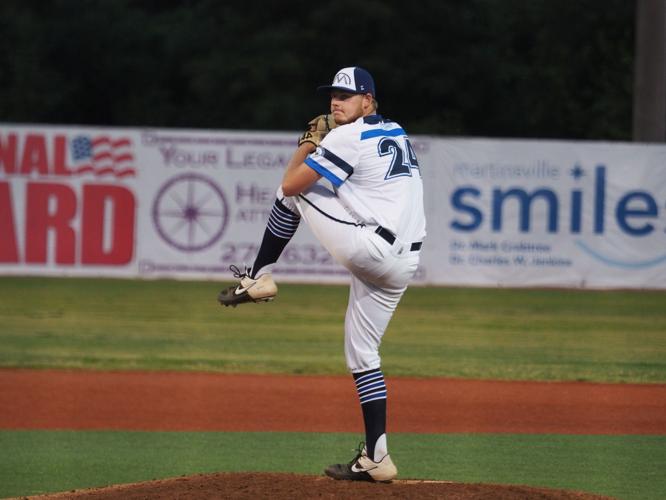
(298, 176)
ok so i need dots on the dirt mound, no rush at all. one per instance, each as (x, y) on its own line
(290, 486)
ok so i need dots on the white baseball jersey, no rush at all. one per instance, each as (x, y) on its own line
(376, 175)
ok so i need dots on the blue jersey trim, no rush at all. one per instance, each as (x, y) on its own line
(323, 171)
(373, 119)
(337, 161)
(378, 132)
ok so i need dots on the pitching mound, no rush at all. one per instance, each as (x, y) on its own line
(291, 486)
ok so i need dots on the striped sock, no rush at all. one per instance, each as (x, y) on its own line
(282, 224)
(370, 386)
(371, 390)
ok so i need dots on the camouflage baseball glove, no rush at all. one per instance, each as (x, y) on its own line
(317, 129)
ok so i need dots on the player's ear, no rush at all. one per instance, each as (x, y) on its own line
(367, 101)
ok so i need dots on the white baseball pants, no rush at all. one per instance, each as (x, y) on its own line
(380, 271)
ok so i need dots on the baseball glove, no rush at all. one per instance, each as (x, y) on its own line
(317, 129)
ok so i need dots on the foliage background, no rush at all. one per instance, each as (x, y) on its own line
(496, 68)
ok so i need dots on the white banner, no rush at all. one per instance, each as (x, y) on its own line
(91, 201)
(547, 213)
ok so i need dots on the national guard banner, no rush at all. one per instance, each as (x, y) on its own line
(101, 201)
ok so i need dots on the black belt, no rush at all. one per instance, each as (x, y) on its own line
(386, 234)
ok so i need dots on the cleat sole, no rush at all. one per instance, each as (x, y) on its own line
(256, 301)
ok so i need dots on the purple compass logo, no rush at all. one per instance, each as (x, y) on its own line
(190, 212)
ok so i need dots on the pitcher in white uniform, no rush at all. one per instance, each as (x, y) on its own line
(359, 189)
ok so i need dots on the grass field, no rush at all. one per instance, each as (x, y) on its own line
(609, 336)
(628, 467)
(612, 336)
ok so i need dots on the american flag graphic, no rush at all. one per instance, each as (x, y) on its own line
(103, 155)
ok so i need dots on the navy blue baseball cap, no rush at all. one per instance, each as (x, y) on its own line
(354, 79)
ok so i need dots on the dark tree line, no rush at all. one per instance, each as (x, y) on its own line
(497, 68)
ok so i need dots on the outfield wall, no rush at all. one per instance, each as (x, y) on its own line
(150, 203)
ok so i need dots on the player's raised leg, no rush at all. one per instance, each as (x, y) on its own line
(256, 283)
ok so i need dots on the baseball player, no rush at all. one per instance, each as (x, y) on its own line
(355, 180)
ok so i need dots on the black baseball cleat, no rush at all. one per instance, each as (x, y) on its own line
(362, 468)
(261, 289)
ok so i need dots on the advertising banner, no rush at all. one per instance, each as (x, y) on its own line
(548, 213)
(68, 201)
(208, 196)
(146, 203)
(100, 201)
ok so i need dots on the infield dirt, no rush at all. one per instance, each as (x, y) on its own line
(183, 401)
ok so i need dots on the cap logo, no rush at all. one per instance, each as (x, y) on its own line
(342, 78)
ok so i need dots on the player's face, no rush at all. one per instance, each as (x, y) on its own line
(347, 107)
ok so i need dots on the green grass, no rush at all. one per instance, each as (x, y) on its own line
(615, 336)
(627, 467)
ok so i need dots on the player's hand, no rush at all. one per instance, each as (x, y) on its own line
(318, 127)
